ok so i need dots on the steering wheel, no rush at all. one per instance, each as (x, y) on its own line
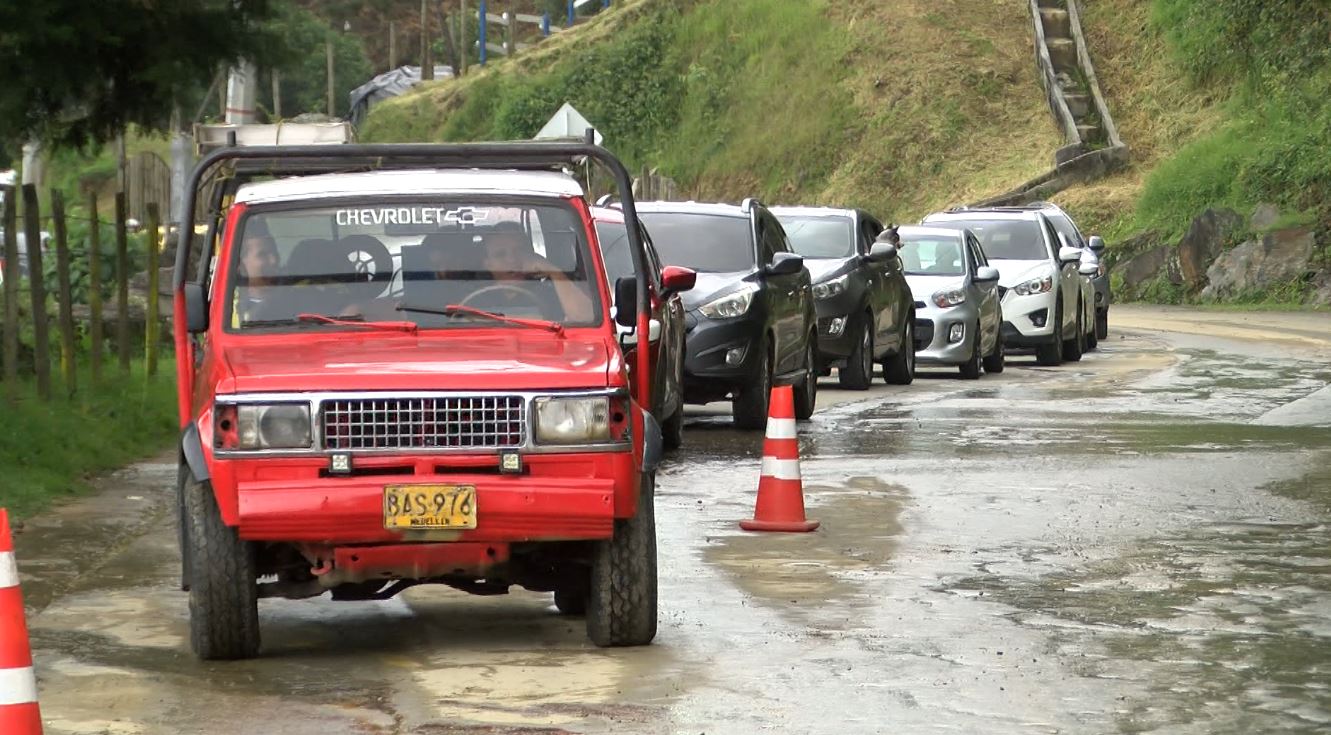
(528, 298)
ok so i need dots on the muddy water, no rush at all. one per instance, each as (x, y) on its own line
(1111, 546)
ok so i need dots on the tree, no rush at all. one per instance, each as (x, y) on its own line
(304, 69)
(78, 73)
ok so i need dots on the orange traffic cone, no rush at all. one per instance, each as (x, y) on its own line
(18, 686)
(780, 504)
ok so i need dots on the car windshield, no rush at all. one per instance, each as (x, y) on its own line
(1009, 239)
(615, 253)
(395, 262)
(820, 237)
(932, 256)
(708, 243)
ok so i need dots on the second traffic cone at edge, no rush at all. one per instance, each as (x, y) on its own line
(780, 505)
(18, 687)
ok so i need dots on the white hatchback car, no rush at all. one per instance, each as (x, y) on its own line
(1048, 302)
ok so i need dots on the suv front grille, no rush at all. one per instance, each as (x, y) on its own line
(477, 422)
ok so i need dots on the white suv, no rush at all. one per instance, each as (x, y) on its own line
(1046, 298)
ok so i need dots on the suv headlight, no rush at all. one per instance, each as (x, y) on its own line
(262, 426)
(730, 305)
(573, 420)
(831, 288)
(951, 297)
(1035, 286)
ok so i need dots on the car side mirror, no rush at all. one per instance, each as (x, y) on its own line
(986, 274)
(626, 301)
(785, 264)
(676, 279)
(1088, 269)
(1097, 244)
(881, 252)
(196, 309)
(1069, 255)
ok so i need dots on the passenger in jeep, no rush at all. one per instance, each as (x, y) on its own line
(509, 257)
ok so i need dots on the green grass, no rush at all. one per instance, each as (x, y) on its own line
(49, 451)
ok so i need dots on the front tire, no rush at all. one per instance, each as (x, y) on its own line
(223, 595)
(1075, 347)
(995, 361)
(621, 600)
(672, 430)
(899, 369)
(970, 369)
(749, 408)
(858, 372)
(571, 600)
(806, 395)
(1051, 354)
(1102, 324)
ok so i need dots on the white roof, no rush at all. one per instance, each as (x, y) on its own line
(963, 215)
(440, 181)
(811, 211)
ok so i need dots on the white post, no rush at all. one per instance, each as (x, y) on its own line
(240, 93)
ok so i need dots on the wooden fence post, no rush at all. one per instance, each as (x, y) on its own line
(463, 48)
(68, 362)
(122, 284)
(41, 348)
(95, 287)
(11, 292)
(150, 316)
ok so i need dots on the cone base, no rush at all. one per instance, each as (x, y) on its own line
(780, 526)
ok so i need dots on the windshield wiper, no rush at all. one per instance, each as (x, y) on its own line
(460, 310)
(356, 321)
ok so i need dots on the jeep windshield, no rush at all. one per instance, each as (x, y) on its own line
(708, 243)
(436, 264)
(1009, 239)
(820, 237)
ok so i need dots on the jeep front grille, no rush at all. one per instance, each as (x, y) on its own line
(476, 422)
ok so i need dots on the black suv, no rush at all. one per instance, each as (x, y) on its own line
(865, 307)
(750, 316)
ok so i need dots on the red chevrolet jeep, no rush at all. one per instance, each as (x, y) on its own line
(398, 365)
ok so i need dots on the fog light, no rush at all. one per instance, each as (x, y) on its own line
(1038, 318)
(955, 333)
(836, 326)
(735, 355)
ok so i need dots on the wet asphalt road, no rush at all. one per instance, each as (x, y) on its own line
(1137, 543)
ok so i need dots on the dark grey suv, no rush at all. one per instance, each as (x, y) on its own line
(750, 318)
(864, 305)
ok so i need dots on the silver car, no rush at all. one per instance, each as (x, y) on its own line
(958, 318)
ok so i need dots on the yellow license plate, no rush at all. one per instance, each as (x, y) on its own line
(429, 506)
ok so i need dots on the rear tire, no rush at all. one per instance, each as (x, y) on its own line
(749, 408)
(672, 430)
(223, 596)
(858, 372)
(995, 361)
(571, 600)
(1076, 346)
(970, 370)
(899, 369)
(621, 601)
(806, 395)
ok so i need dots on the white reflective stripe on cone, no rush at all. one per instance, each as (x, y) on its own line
(17, 686)
(8, 570)
(781, 469)
(781, 429)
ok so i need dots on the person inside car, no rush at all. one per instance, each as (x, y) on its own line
(516, 268)
(258, 268)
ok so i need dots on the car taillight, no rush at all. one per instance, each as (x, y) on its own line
(225, 428)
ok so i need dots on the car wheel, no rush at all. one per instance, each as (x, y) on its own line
(621, 600)
(1076, 345)
(1051, 354)
(223, 595)
(184, 478)
(858, 372)
(806, 394)
(1092, 342)
(970, 369)
(995, 361)
(571, 598)
(899, 369)
(1102, 324)
(749, 408)
(672, 430)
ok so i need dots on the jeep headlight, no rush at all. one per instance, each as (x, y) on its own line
(572, 420)
(730, 305)
(1035, 286)
(831, 288)
(263, 426)
(950, 297)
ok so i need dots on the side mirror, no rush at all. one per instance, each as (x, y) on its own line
(881, 252)
(1069, 255)
(626, 301)
(196, 309)
(676, 279)
(1088, 269)
(986, 274)
(1097, 244)
(785, 264)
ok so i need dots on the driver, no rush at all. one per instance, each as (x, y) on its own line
(509, 257)
(258, 270)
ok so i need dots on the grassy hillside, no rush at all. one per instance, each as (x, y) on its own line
(900, 106)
